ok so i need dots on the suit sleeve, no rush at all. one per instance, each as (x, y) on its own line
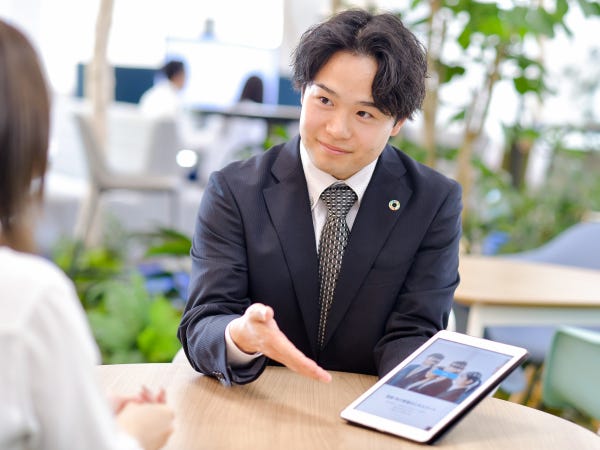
(425, 299)
(218, 290)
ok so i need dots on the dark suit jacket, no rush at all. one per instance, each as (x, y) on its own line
(434, 389)
(255, 242)
(403, 379)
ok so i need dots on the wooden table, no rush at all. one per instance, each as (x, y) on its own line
(502, 291)
(284, 411)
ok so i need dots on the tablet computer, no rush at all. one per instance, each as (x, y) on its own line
(435, 386)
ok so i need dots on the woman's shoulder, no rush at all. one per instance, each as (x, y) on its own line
(28, 268)
(27, 281)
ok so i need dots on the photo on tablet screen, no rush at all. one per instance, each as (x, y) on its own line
(426, 390)
(435, 386)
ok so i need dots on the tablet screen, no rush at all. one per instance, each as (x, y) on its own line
(434, 383)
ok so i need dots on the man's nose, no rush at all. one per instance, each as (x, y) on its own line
(338, 125)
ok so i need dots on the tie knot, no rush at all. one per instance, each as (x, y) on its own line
(339, 198)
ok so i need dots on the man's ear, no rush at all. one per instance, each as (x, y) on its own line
(397, 127)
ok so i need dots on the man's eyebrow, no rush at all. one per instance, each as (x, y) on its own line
(325, 88)
(332, 92)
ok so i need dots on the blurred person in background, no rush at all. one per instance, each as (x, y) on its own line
(239, 137)
(50, 397)
(164, 101)
(164, 98)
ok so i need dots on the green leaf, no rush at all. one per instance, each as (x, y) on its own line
(524, 85)
(158, 341)
(589, 8)
(110, 333)
(562, 7)
(540, 22)
(465, 38)
(174, 248)
(459, 116)
(451, 72)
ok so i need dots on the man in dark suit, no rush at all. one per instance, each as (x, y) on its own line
(262, 288)
(416, 372)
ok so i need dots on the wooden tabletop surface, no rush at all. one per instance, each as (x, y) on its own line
(502, 281)
(282, 410)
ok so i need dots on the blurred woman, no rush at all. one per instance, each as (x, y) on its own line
(50, 399)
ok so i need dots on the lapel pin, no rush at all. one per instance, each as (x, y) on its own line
(394, 205)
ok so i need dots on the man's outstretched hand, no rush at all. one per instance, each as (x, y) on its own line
(257, 331)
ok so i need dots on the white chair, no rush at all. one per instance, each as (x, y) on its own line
(162, 147)
(103, 180)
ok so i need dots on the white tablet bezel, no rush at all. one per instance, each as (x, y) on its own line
(516, 354)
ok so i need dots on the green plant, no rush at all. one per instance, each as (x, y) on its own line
(530, 217)
(130, 323)
(132, 326)
(474, 45)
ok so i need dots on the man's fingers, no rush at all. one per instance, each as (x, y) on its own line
(287, 354)
(275, 345)
(310, 369)
(260, 312)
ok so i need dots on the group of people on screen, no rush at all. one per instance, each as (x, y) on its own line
(332, 251)
(451, 382)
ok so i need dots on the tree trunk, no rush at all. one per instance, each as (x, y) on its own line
(99, 77)
(430, 104)
(475, 120)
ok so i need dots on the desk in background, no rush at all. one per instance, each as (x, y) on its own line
(503, 291)
(282, 410)
(271, 113)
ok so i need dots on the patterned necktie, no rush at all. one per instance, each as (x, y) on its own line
(338, 198)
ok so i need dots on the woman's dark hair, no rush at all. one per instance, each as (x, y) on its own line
(253, 90)
(172, 68)
(399, 84)
(24, 129)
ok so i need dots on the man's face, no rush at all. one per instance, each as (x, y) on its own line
(454, 368)
(431, 361)
(179, 80)
(340, 126)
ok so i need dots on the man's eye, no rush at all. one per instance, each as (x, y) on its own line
(364, 114)
(324, 100)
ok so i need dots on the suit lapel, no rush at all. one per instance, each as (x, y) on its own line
(289, 208)
(373, 224)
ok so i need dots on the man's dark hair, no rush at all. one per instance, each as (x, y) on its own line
(172, 68)
(399, 84)
(459, 363)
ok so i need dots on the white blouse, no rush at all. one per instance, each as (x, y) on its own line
(49, 395)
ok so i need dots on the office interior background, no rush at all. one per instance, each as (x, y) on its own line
(532, 155)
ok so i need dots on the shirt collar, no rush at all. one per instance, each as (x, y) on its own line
(317, 180)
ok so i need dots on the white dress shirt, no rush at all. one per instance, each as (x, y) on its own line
(50, 395)
(316, 181)
(162, 100)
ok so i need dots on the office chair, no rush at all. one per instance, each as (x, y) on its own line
(103, 180)
(570, 378)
